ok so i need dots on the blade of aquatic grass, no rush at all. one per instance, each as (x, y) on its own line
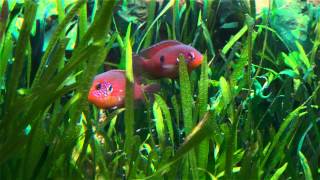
(61, 16)
(177, 112)
(303, 56)
(20, 51)
(35, 147)
(231, 131)
(164, 10)
(56, 57)
(54, 152)
(95, 32)
(100, 28)
(186, 95)
(249, 164)
(203, 88)
(175, 21)
(234, 39)
(291, 118)
(305, 133)
(167, 116)
(53, 40)
(203, 149)
(279, 172)
(39, 99)
(4, 17)
(5, 57)
(187, 104)
(99, 160)
(29, 64)
(94, 62)
(169, 31)
(207, 37)
(37, 107)
(284, 143)
(83, 21)
(129, 102)
(250, 40)
(203, 129)
(113, 118)
(184, 24)
(159, 125)
(275, 33)
(229, 146)
(315, 44)
(305, 166)
(151, 12)
(60, 9)
(74, 62)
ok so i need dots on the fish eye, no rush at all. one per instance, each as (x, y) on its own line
(191, 56)
(162, 59)
(110, 88)
(98, 86)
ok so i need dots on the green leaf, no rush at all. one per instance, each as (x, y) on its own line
(234, 39)
(167, 117)
(225, 91)
(20, 51)
(165, 9)
(207, 37)
(55, 37)
(289, 119)
(129, 101)
(279, 172)
(159, 124)
(203, 83)
(203, 129)
(186, 95)
(289, 73)
(305, 166)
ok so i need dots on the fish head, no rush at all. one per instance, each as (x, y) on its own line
(192, 57)
(107, 91)
(168, 59)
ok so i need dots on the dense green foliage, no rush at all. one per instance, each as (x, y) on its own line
(250, 111)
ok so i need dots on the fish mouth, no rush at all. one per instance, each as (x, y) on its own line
(169, 66)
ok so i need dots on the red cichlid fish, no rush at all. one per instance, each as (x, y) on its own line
(108, 89)
(161, 59)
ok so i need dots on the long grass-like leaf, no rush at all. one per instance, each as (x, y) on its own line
(167, 117)
(165, 9)
(305, 165)
(234, 39)
(279, 172)
(129, 103)
(151, 13)
(203, 129)
(159, 124)
(21, 47)
(5, 56)
(56, 35)
(292, 116)
(186, 95)
(203, 83)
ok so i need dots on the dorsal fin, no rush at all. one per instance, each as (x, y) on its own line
(148, 52)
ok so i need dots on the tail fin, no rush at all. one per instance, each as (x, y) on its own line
(137, 64)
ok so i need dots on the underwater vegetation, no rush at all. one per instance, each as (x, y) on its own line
(159, 89)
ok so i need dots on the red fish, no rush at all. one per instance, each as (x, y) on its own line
(161, 59)
(108, 89)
